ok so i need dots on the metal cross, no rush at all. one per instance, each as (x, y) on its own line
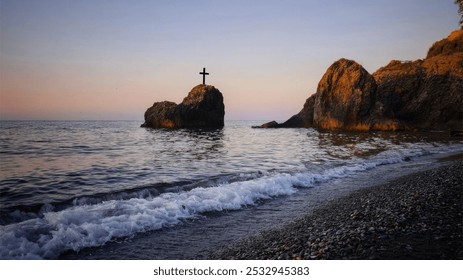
(204, 75)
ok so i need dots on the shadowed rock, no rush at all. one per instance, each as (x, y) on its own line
(302, 119)
(406, 95)
(305, 117)
(202, 108)
(272, 124)
(426, 94)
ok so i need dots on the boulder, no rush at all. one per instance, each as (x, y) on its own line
(345, 97)
(162, 115)
(202, 108)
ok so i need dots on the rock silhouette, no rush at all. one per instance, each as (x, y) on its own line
(202, 108)
(406, 95)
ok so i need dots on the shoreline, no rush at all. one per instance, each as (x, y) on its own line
(418, 216)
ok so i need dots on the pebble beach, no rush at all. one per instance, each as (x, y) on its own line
(419, 216)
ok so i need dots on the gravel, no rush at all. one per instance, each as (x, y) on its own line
(414, 217)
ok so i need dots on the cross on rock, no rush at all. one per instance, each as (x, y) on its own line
(204, 75)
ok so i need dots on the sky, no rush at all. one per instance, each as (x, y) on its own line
(111, 60)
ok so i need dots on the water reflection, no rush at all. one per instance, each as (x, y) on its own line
(345, 145)
(187, 144)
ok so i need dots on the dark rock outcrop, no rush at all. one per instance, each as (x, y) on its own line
(302, 119)
(202, 108)
(305, 117)
(272, 124)
(423, 94)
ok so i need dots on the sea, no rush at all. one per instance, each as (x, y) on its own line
(114, 190)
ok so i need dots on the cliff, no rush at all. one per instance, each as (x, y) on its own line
(202, 108)
(424, 94)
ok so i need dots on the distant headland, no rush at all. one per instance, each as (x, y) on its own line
(426, 94)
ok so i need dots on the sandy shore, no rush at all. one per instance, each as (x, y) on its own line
(414, 217)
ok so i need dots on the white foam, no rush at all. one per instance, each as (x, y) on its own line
(83, 226)
(92, 225)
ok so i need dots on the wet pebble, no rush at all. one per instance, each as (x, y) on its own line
(415, 217)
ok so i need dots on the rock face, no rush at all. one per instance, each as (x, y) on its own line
(424, 94)
(345, 97)
(450, 45)
(202, 108)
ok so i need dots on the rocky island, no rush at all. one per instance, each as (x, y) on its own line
(426, 94)
(202, 108)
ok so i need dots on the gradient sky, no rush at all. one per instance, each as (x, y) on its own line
(91, 60)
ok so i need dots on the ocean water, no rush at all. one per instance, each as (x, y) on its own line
(88, 189)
